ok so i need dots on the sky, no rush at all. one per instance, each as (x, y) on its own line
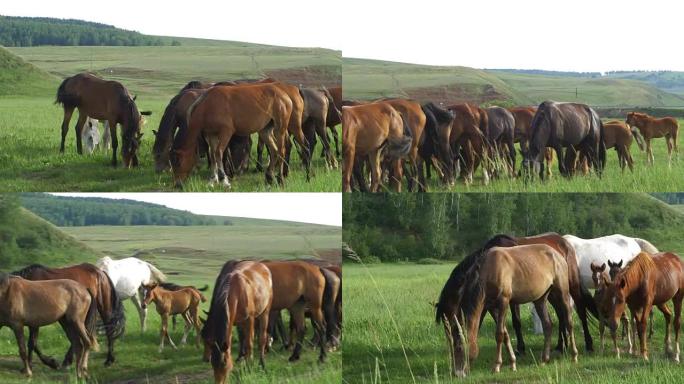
(578, 35)
(317, 208)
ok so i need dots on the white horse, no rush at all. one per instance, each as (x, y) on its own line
(614, 248)
(90, 135)
(128, 276)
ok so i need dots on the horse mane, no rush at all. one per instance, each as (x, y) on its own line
(636, 269)
(192, 84)
(131, 110)
(25, 272)
(461, 273)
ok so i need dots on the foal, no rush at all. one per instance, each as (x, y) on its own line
(602, 280)
(184, 302)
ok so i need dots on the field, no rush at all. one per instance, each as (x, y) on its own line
(189, 255)
(30, 122)
(391, 337)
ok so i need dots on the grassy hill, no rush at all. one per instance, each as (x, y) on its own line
(368, 79)
(18, 77)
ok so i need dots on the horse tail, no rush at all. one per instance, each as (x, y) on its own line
(157, 275)
(91, 323)
(646, 246)
(602, 144)
(329, 302)
(332, 108)
(66, 99)
(400, 146)
(203, 289)
(116, 323)
(183, 132)
(201, 296)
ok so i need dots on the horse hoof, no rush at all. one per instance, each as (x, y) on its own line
(496, 369)
(293, 358)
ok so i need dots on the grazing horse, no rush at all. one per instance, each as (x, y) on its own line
(467, 139)
(39, 303)
(646, 281)
(613, 269)
(222, 112)
(129, 275)
(602, 280)
(298, 286)
(366, 130)
(316, 110)
(500, 133)
(501, 276)
(102, 100)
(617, 135)
(243, 294)
(523, 120)
(565, 125)
(334, 118)
(92, 138)
(653, 128)
(182, 301)
(102, 291)
(435, 144)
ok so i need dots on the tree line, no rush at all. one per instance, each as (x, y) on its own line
(414, 227)
(34, 31)
(65, 211)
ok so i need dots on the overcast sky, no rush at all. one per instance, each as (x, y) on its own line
(317, 208)
(578, 35)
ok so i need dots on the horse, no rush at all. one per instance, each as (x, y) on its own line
(181, 301)
(523, 120)
(500, 133)
(435, 145)
(316, 111)
(613, 269)
(648, 127)
(617, 135)
(39, 303)
(501, 276)
(366, 130)
(129, 275)
(100, 288)
(560, 125)
(298, 286)
(649, 280)
(222, 112)
(334, 118)
(92, 138)
(602, 279)
(102, 100)
(243, 294)
(467, 139)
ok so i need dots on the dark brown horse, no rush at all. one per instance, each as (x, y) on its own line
(334, 118)
(106, 101)
(653, 128)
(104, 296)
(243, 294)
(500, 135)
(467, 139)
(241, 110)
(34, 304)
(574, 126)
(497, 278)
(435, 145)
(649, 280)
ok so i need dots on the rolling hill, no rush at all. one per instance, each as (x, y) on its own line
(18, 77)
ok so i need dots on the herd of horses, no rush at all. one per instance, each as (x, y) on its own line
(625, 273)
(215, 120)
(393, 138)
(250, 294)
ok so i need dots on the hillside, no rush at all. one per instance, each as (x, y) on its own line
(18, 77)
(26, 238)
(448, 226)
(369, 79)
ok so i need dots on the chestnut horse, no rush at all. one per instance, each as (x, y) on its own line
(366, 129)
(653, 128)
(602, 280)
(501, 276)
(467, 139)
(102, 100)
(243, 294)
(181, 301)
(241, 110)
(36, 304)
(334, 118)
(644, 282)
(616, 135)
(104, 295)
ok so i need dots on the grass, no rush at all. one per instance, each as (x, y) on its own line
(390, 309)
(189, 255)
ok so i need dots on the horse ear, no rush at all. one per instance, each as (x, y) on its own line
(603, 267)
(146, 113)
(135, 97)
(610, 264)
(619, 265)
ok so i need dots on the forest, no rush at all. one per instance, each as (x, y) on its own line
(447, 226)
(65, 211)
(34, 31)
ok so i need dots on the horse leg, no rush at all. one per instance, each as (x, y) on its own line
(374, 158)
(186, 328)
(115, 141)
(677, 300)
(297, 318)
(68, 111)
(303, 151)
(142, 312)
(649, 151)
(581, 309)
(543, 311)
(263, 336)
(267, 136)
(669, 149)
(641, 329)
(336, 140)
(515, 315)
(500, 315)
(259, 151)
(667, 314)
(33, 346)
(19, 335)
(556, 303)
(250, 338)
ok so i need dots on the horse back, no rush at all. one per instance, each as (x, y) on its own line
(293, 280)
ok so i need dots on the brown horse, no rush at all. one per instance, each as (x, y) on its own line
(298, 286)
(106, 101)
(101, 289)
(334, 118)
(644, 282)
(225, 111)
(602, 280)
(243, 294)
(435, 147)
(467, 139)
(504, 275)
(523, 120)
(366, 129)
(617, 135)
(653, 128)
(184, 301)
(34, 304)
(613, 269)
